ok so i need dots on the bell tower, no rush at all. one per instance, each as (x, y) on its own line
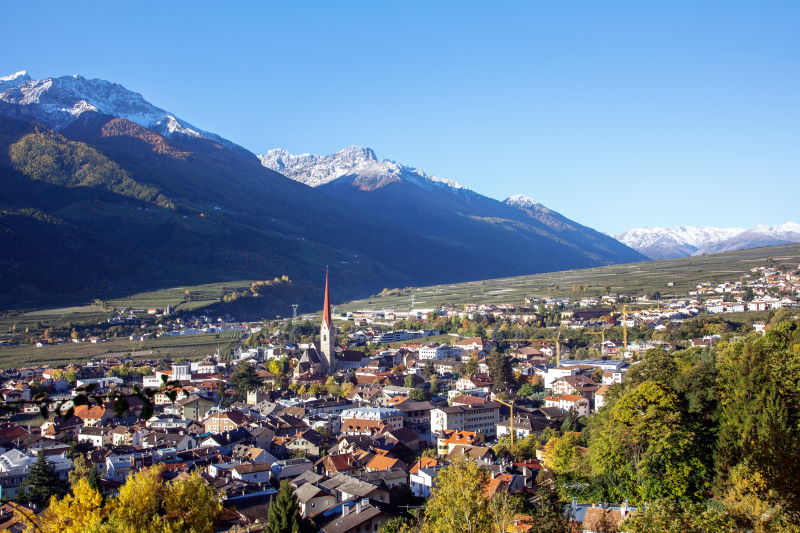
(327, 332)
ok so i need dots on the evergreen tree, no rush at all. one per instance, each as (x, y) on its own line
(501, 372)
(284, 514)
(42, 483)
(244, 378)
(94, 479)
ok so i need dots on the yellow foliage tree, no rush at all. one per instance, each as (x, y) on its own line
(457, 502)
(79, 512)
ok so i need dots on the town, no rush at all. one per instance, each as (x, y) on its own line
(359, 413)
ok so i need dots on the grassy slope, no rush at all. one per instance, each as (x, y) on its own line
(632, 278)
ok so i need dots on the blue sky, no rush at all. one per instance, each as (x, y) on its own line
(617, 114)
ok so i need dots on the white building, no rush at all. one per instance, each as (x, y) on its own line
(481, 418)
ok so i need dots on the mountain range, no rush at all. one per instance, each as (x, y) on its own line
(683, 241)
(104, 194)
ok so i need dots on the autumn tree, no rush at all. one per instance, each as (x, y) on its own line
(457, 502)
(78, 512)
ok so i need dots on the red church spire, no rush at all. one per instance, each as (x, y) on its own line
(326, 303)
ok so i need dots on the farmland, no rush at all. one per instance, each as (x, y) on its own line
(191, 347)
(672, 278)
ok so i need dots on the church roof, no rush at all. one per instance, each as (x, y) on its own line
(310, 355)
(326, 304)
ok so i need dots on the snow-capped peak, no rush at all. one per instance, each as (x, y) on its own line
(315, 170)
(663, 243)
(57, 102)
(520, 200)
(16, 76)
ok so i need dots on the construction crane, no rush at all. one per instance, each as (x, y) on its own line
(602, 334)
(511, 420)
(556, 339)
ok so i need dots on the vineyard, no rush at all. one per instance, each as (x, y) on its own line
(192, 347)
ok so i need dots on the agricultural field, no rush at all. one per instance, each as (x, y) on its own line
(193, 347)
(186, 298)
(672, 278)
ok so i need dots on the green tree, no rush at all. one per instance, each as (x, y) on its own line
(41, 484)
(501, 372)
(283, 515)
(641, 449)
(676, 516)
(244, 378)
(760, 414)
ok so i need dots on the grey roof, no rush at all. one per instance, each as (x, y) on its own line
(352, 520)
(307, 491)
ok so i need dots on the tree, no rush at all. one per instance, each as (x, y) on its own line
(675, 516)
(283, 515)
(563, 455)
(760, 417)
(501, 372)
(457, 502)
(76, 513)
(641, 449)
(526, 390)
(196, 503)
(244, 378)
(471, 366)
(398, 524)
(408, 381)
(41, 484)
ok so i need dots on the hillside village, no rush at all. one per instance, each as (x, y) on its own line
(361, 416)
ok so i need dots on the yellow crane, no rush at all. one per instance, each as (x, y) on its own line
(556, 339)
(602, 334)
(511, 420)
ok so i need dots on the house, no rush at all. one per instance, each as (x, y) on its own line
(384, 462)
(449, 439)
(567, 402)
(309, 442)
(422, 480)
(92, 416)
(313, 499)
(252, 473)
(525, 424)
(194, 407)
(227, 421)
(350, 488)
(474, 381)
(96, 436)
(600, 397)
(365, 515)
(290, 468)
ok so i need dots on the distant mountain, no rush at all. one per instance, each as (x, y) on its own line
(509, 237)
(683, 241)
(104, 194)
(58, 102)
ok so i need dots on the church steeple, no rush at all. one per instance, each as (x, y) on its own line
(327, 332)
(326, 303)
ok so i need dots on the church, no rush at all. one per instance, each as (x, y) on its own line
(321, 359)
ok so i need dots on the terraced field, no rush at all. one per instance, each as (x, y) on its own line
(192, 347)
(670, 277)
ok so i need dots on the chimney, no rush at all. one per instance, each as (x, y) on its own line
(345, 509)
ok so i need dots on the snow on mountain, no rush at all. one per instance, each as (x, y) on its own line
(520, 200)
(316, 170)
(682, 241)
(57, 102)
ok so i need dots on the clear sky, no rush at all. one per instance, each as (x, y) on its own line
(616, 114)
